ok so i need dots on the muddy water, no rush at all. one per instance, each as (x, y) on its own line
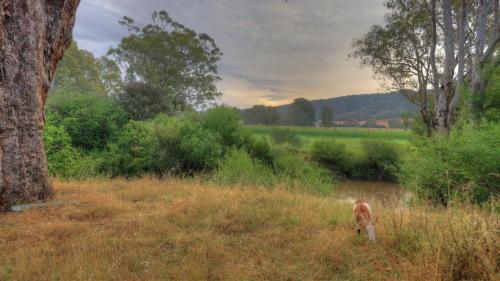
(388, 194)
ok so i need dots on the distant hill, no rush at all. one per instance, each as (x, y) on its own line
(362, 107)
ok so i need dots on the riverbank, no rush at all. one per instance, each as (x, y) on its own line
(147, 229)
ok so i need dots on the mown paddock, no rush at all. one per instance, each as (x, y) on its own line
(352, 137)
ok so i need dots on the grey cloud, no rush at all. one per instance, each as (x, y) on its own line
(292, 48)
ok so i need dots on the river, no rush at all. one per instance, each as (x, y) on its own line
(388, 194)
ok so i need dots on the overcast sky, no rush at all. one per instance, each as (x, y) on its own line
(273, 51)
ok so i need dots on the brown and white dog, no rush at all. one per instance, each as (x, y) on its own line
(364, 218)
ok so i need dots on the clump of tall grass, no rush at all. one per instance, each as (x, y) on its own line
(239, 168)
(287, 171)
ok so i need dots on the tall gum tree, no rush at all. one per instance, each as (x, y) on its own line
(33, 37)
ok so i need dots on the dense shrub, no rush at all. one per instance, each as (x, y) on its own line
(164, 145)
(144, 101)
(377, 160)
(261, 150)
(63, 160)
(61, 156)
(239, 168)
(464, 164)
(284, 136)
(225, 122)
(185, 147)
(382, 160)
(131, 152)
(90, 120)
(333, 155)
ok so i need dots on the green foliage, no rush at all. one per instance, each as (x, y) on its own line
(296, 174)
(79, 72)
(301, 113)
(61, 156)
(378, 160)
(261, 114)
(225, 122)
(110, 76)
(326, 116)
(90, 120)
(491, 95)
(261, 150)
(332, 154)
(382, 160)
(464, 164)
(289, 171)
(186, 147)
(131, 153)
(239, 168)
(63, 160)
(143, 101)
(172, 58)
(285, 136)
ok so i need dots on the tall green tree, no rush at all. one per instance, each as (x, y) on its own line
(301, 113)
(110, 75)
(172, 58)
(326, 116)
(143, 101)
(78, 72)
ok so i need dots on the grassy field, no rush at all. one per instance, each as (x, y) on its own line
(147, 229)
(352, 137)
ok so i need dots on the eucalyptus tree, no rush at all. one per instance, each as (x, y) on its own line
(172, 58)
(399, 52)
(434, 46)
(33, 37)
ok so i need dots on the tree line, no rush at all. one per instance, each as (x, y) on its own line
(300, 112)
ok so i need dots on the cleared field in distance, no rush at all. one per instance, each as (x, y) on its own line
(352, 137)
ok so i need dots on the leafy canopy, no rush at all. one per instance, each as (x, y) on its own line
(172, 58)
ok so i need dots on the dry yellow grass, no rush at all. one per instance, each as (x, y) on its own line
(181, 230)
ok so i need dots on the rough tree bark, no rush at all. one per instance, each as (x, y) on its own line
(33, 37)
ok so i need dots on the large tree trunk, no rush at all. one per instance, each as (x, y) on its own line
(435, 74)
(478, 54)
(449, 64)
(462, 21)
(33, 37)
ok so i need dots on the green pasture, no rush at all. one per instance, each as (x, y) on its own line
(352, 137)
